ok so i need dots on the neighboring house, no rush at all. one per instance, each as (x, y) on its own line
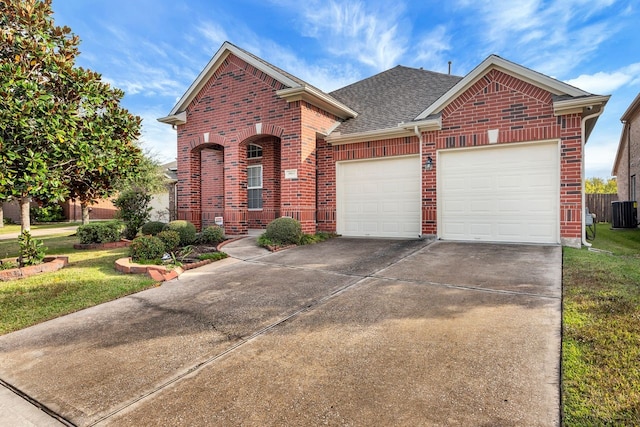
(496, 155)
(626, 167)
(101, 209)
(163, 205)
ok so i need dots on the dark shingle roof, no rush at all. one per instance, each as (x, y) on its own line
(391, 97)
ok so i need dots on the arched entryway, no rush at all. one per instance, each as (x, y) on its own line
(262, 176)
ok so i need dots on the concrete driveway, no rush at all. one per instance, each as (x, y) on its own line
(356, 332)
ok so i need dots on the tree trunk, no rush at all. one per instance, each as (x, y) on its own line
(25, 218)
(1, 216)
(85, 213)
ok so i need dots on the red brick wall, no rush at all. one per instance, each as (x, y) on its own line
(328, 156)
(236, 106)
(212, 184)
(270, 162)
(521, 112)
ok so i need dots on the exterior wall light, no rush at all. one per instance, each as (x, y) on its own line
(428, 164)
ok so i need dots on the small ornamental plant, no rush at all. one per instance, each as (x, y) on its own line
(146, 249)
(186, 230)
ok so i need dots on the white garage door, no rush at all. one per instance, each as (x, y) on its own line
(506, 193)
(379, 198)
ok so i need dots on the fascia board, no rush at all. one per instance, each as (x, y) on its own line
(621, 146)
(176, 119)
(318, 99)
(375, 135)
(215, 63)
(572, 106)
(632, 108)
(495, 62)
(424, 125)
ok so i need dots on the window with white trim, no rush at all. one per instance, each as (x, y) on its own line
(254, 187)
(254, 151)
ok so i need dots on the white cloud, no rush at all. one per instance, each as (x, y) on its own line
(552, 37)
(159, 139)
(431, 48)
(374, 35)
(214, 34)
(607, 82)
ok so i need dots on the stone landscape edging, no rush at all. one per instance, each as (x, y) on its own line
(49, 265)
(159, 273)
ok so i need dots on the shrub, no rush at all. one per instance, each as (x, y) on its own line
(211, 235)
(100, 232)
(47, 213)
(170, 239)
(284, 231)
(146, 248)
(134, 210)
(186, 230)
(153, 227)
(31, 250)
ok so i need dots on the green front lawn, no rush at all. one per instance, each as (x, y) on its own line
(601, 331)
(90, 279)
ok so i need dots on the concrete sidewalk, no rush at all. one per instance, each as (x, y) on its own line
(345, 332)
(39, 232)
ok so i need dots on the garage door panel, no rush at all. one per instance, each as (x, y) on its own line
(508, 193)
(379, 197)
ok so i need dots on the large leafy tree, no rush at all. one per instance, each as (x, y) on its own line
(104, 153)
(61, 128)
(597, 185)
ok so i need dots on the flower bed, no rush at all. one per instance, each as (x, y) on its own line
(49, 265)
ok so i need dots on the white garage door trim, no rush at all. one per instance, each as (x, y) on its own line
(500, 193)
(379, 197)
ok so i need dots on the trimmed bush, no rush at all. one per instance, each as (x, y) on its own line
(211, 235)
(153, 227)
(170, 239)
(284, 231)
(100, 232)
(186, 230)
(146, 248)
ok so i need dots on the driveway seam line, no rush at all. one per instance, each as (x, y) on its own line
(242, 342)
(467, 287)
(41, 406)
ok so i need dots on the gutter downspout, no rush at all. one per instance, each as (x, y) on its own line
(419, 135)
(631, 196)
(582, 172)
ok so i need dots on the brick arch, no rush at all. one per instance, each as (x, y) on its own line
(258, 131)
(210, 141)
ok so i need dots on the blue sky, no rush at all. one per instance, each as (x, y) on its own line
(154, 49)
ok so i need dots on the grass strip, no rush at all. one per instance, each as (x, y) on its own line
(601, 331)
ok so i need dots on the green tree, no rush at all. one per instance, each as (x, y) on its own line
(597, 185)
(105, 153)
(52, 113)
(148, 177)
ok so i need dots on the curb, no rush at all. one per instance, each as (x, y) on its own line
(49, 265)
(159, 273)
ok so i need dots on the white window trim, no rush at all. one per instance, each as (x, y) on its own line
(254, 187)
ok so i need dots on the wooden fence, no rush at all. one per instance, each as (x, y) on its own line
(600, 204)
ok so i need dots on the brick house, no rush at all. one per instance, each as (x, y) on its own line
(626, 166)
(496, 155)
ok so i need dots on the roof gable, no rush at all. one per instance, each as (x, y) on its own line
(295, 88)
(494, 62)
